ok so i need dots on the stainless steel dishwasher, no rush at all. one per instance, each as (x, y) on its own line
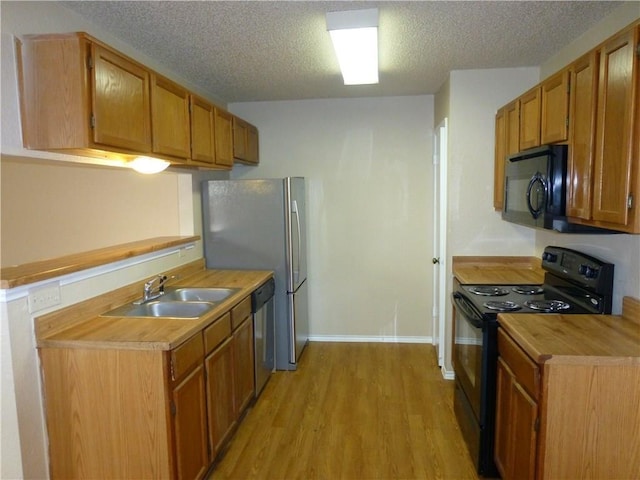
(264, 333)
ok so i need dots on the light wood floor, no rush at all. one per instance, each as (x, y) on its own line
(352, 411)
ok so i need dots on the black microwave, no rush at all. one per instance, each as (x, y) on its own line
(535, 190)
(534, 187)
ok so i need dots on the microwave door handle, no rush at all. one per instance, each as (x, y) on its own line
(536, 211)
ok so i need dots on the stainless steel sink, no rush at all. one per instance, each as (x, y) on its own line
(195, 294)
(164, 309)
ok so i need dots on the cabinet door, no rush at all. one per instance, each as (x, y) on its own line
(170, 118)
(224, 138)
(253, 154)
(239, 139)
(222, 418)
(243, 365)
(583, 99)
(530, 119)
(512, 127)
(554, 108)
(617, 100)
(500, 153)
(524, 435)
(503, 410)
(203, 147)
(516, 429)
(190, 426)
(120, 102)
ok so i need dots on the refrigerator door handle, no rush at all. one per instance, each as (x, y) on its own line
(296, 267)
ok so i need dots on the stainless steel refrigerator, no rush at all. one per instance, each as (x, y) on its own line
(261, 225)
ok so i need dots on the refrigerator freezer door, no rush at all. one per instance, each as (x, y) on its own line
(298, 305)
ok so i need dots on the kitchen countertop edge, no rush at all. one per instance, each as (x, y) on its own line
(496, 270)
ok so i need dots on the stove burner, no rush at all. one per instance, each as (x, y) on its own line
(502, 306)
(489, 291)
(528, 289)
(547, 305)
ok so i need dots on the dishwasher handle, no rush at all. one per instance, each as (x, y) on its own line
(262, 295)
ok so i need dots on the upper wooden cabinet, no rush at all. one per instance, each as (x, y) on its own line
(530, 119)
(79, 96)
(616, 177)
(507, 143)
(203, 147)
(554, 105)
(594, 106)
(512, 127)
(223, 122)
(582, 109)
(500, 154)
(245, 142)
(170, 121)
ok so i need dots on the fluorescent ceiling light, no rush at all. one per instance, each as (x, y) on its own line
(355, 39)
(148, 165)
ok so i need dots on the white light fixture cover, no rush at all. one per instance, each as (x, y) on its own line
(148, 165)
(355, 39)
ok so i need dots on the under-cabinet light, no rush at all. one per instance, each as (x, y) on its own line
(148, 165)
(354, 34)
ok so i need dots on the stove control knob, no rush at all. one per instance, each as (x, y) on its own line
(591, 272)
(549, 257)
(588, 271)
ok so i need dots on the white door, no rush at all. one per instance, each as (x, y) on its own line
(439, 238)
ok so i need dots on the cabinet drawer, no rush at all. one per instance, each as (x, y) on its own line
(215, 333)
(240, 312)
(187, 355)
(525, 370)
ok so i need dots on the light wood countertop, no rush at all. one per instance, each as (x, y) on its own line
(136, 333)
(498, 270)
(17, 275)
(561, 338)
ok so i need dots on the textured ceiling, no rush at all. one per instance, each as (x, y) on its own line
(273, 50)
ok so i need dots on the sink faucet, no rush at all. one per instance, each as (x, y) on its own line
(154, 288)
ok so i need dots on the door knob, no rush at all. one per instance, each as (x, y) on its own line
(435, 260)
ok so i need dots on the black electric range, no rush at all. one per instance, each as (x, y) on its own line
(573, 283)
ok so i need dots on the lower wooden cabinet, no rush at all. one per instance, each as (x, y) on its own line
(567, 416)
(121, 413)
(222, 416)
(243, 365)
(516, 434)
(189, 411)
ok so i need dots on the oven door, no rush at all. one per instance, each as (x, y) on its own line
(467, 351)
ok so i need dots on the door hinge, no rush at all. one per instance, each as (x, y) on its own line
(92, 121)
(89, 62)
(566, 122)
(536, 424)
(630, 201)
(638, 49)
(172, 408)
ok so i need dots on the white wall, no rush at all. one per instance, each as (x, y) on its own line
(368, 166)
(470, 99)
(621, 250)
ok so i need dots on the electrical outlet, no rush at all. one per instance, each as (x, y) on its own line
(44, 297)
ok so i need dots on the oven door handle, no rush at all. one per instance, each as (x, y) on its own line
(471, 313)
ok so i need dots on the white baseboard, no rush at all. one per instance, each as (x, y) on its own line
(447, 374)
(372, 339)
